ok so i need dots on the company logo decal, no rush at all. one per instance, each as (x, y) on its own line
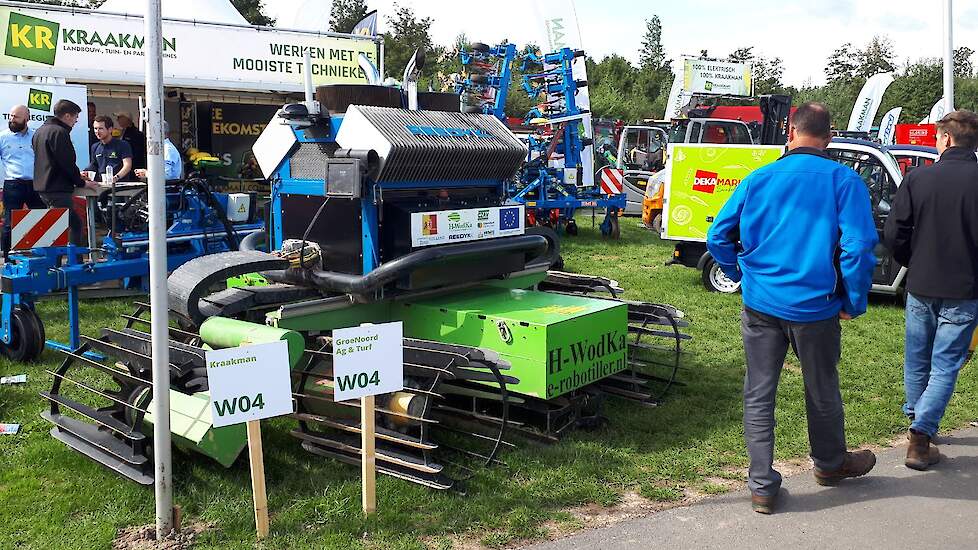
(32, 39)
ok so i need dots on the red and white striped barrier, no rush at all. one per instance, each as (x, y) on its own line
(612, 181)
(35, 228)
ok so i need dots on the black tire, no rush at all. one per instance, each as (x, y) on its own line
(615, 228)
(571, 228)
(26, 338)
(479, 47)
(657, 224)
(716, 281)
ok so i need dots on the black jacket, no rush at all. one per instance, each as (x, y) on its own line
(55, 170)
(932, 227)
(137, 141)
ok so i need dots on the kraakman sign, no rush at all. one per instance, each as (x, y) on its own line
(92, 46)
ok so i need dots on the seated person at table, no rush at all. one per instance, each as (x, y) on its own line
(172, 161)
(110, 152)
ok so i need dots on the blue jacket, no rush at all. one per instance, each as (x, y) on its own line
(799, 233)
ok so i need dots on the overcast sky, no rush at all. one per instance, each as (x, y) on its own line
(802, 32)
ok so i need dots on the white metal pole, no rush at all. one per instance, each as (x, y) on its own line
(948, 59)
(157, 269)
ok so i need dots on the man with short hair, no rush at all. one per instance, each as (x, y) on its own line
(932, 229)
(135, 138)
(109, 152)
(799, 234)
(17, 156)
(56, 173)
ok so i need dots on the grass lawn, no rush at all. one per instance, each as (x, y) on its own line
(51, 497)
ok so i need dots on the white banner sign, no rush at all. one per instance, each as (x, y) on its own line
(249, 383)
(701, 76)
(887, 131)
(91, 46)
(368, 360)
(40, 99)
(868, 102)
(473, 224)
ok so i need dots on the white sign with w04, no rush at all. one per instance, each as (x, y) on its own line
(249, 383)
(368, 360)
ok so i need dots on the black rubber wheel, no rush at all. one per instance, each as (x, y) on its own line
(26, 338)
(657, 224)
(615, 228)
(716, 281)
(479, 47)
(571, 228)
(558, 264)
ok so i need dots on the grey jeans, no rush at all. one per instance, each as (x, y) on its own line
(817, 346)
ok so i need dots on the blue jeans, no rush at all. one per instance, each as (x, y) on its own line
(938, 335)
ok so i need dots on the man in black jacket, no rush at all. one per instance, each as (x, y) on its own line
(932, 229)
(56, 173)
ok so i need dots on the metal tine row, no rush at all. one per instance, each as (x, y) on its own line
(100, 393)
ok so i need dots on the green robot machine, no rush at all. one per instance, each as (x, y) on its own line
(380, 213)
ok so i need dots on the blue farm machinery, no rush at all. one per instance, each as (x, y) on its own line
(382, 213)
(199, 223)
(551, 183)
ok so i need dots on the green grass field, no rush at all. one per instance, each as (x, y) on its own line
(51, 497)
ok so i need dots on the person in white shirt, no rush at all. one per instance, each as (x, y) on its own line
(17, 158)
(172, 161)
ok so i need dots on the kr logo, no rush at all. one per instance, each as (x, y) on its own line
(39, 99)
(705, 182)
(32, 39)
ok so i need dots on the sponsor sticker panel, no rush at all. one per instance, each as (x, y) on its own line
(471, 224)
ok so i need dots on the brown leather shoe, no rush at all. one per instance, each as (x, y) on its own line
(855, 464)
(919, 453)
(935, 454)
(762, 504)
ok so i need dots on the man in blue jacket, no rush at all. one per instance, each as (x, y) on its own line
(799, 234)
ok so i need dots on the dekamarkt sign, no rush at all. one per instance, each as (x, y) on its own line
(92, 46)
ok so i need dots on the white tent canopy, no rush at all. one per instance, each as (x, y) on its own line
(210, 11)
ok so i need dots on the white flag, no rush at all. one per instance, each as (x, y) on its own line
(676, 100)
(888, 123)
(937, 112)
(561, 30)
(868, 102)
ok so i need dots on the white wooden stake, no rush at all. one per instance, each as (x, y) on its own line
(368, 466)
(257, 462)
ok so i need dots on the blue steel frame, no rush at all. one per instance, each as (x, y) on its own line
(26, 277)
(552, 192)
(499, 80)
(284, 184)
(542, 188)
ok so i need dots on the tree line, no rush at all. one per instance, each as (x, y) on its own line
(620, 89)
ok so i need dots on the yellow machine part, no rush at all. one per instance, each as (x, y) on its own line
(652, 206)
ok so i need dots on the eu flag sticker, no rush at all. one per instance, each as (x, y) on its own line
(509, 218)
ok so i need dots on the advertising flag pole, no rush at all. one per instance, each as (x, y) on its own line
(948, 58)
(157, 269)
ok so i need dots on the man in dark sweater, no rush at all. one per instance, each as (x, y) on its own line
(932, 229)
(56, 173)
